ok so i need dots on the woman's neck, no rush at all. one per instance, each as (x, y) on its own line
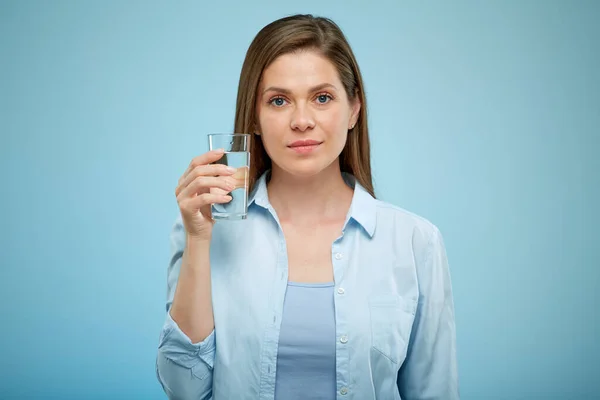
(309, 200)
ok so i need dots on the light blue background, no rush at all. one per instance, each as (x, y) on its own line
(484, 117)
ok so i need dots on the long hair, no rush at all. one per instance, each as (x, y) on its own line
(288, 35)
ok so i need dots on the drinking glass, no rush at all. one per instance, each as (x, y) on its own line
(237, 155)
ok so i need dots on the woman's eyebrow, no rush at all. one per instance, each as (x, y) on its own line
(312, 89)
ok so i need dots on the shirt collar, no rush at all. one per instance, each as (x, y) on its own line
(259, 194)
(363, 208)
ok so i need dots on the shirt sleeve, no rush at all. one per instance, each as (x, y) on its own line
(184, 369)
(430, 369)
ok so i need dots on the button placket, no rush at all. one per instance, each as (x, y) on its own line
(341, 324)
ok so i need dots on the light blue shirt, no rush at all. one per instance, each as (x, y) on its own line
(394, 311)
(306, 355)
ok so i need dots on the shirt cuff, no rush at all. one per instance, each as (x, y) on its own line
(177, 347)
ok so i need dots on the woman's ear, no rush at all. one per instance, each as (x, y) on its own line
(355, 113)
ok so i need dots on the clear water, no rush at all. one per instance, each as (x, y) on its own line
(238, 206)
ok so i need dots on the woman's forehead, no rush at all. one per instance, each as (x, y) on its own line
(300, 71)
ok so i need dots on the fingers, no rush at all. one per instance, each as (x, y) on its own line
(204, 184)
(195, 203)
(206, 170)
(204, 159)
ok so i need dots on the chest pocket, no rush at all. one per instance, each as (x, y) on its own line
(392, 317)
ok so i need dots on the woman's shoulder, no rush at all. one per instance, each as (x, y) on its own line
(399, 227)
(394, 217)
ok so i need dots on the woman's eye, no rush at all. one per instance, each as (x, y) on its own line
(277, 102)
(323, 98)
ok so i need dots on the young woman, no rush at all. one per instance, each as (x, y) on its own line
(323, 292)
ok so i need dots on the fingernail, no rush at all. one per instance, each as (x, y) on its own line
(219, 150)
(231, 169)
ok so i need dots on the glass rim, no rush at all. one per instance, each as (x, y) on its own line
(228, 134)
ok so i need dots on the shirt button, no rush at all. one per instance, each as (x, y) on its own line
(344, 339)
(341, 291)
(338, 256)
(344, 391)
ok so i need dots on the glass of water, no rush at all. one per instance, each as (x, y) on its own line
(237, 155)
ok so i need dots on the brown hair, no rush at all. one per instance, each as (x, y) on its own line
(288, 35)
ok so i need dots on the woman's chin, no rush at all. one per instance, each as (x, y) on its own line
(304, 169)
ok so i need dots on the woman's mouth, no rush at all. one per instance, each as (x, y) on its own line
(304, 146)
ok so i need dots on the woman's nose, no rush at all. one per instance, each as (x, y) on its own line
(302, 118)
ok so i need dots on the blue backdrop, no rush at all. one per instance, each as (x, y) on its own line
(485, 119)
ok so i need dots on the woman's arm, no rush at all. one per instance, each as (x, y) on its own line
(192, 303)
(187, 345)
(430, 369)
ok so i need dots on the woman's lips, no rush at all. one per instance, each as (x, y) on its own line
(305, 149)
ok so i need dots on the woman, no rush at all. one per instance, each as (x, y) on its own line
(323, 292)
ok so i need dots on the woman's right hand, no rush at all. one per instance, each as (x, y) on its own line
(201, 185)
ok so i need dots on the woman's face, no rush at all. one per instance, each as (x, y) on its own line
(304, 113)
